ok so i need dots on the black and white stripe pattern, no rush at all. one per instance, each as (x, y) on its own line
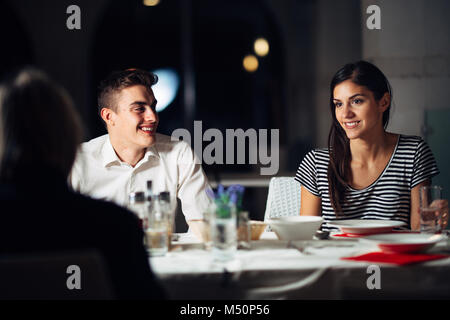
(388, 198)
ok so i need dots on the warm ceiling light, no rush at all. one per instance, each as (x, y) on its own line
(250, 63)
(151, 3)
(261, 47)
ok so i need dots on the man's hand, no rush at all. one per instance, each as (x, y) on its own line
(199, 228)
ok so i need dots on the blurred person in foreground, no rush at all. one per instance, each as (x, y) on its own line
(39, 135)
(113, 165)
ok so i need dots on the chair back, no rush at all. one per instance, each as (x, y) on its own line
(60, 276)
(283, 198)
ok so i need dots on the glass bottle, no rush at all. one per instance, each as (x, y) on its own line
(149, 191)
(157, 231)
(165, 205)
(136, 203)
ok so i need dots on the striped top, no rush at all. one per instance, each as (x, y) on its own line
(387, 198)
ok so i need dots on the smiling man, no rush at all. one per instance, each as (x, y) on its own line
(118, 163)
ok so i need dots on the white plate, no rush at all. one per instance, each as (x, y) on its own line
(268, 235)
(404, 242)
(363, 227)
(186, 241)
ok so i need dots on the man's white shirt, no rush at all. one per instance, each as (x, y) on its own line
(171, 165)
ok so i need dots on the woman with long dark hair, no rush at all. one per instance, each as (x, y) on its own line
(366, 172)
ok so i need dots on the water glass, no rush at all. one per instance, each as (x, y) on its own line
(430, 214)
(223, 232)
(168, 205)
(206, 230)
(157, 231)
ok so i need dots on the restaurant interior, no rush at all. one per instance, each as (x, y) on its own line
(243, 64)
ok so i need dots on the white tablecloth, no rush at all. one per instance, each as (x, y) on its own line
(273, 269)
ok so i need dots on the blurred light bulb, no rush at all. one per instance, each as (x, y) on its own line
(151, 3)
(250, 63)
(261, 47)
(165, 90)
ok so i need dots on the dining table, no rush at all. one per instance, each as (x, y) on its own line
(273, 269)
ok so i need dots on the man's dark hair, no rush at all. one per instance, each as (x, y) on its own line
(118, 80)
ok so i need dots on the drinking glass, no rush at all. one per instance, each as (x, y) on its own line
(157, 231)
(223, 232)
(168, 206)
(206, 230)
(430, 213)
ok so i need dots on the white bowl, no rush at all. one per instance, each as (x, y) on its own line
(295, 227)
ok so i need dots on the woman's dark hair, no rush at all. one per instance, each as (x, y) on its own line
(364, 74)
(39, 126)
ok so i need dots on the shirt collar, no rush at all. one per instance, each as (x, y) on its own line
(109, 156)
(151, 152)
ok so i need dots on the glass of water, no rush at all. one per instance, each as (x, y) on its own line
(157, 230)
(430, 212)
(208, 215)
(223, 232)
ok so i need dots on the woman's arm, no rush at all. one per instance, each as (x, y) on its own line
(311, 205)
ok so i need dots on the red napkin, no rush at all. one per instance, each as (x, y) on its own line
(347, 235)
(396, 258)
(357, 235)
